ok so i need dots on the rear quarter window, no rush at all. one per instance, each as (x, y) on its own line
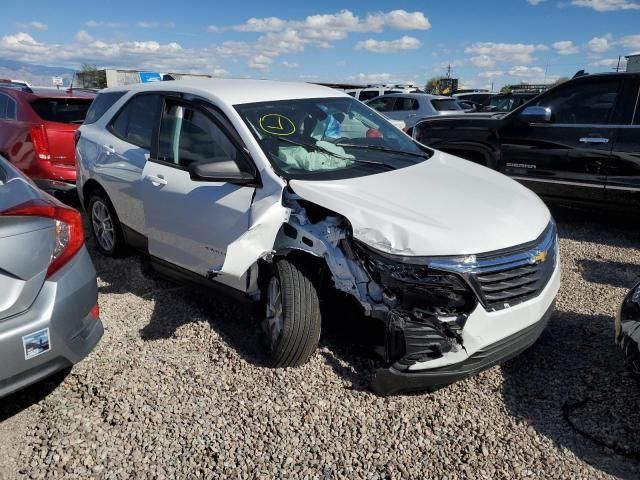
(445, 105)
(62, 110)
(100, 104)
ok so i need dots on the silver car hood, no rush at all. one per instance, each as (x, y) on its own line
(442, 206)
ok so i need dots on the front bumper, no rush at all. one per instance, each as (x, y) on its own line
(63, 307)
(390, 381)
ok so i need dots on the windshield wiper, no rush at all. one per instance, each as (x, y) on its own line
(337, 155)
(381, 149)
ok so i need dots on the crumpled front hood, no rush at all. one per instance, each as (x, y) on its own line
(442, 206)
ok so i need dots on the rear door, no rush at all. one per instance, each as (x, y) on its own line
(623, 172)
(190, 223)
(565, 158)
(404, 108)
(26, 245)
(125, 150)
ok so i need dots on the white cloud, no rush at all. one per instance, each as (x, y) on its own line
(483, 61)
(600, 44)
(38, 26)
(83, 37)
(389, 46)
(632, 42)
(151, 55)
(607, 5)
(280, 36)
(565, 47)
(518, 53)
(97, 24)
(145, 24)
(290, 64)
(373, 78)
(491, 74)
(535, 3)
(260, 62)
(524, 71)
(610, 63)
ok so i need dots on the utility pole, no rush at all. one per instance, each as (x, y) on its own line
(618, 67)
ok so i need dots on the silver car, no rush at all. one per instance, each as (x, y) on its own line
(413, 107)
(49, 317)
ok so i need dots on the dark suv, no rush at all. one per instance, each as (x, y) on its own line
(578, 142)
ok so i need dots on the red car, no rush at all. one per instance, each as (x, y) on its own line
(37, 128)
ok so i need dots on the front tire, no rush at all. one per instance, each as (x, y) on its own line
(291, 326)
(105, 225)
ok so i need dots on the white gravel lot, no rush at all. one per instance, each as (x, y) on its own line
(176, 390)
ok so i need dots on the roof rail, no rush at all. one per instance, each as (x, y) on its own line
(16, 85)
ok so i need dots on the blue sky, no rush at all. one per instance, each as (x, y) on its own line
(485, 41)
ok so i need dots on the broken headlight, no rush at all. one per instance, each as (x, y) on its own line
(418, 286)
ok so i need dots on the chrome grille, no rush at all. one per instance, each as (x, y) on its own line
(512, 276)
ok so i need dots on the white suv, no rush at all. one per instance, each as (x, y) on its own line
(274, 190)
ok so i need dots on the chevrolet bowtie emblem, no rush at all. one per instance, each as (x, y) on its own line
(539, 257)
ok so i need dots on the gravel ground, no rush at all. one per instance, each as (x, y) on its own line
(176, 390)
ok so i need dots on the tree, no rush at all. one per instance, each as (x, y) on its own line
(506, 89)
(432, 85)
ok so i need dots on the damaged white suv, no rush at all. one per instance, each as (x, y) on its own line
(275, 189)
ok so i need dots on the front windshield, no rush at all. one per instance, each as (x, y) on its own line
(328, 138)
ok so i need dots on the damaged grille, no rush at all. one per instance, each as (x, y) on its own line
(498, 280)
(509, 277)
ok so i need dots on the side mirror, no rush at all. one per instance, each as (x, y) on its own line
(221, 171)
(536, 115)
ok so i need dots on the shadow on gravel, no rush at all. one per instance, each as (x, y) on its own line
(605, 272)
(572, 387)
(177, 304)
(584, 225)
(23, 399)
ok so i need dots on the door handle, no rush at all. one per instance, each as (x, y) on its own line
(156, 180)
(109, 149)
(594, 140)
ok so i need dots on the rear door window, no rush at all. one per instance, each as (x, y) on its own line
(406, 104)
(383, 104)
(101, 104)
(445, 104)
(62, 110)
(368, 95)
(135, 122)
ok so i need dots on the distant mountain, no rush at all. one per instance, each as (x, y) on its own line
(37, 75)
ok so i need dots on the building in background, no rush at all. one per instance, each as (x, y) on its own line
(633, 62)
(111, 77)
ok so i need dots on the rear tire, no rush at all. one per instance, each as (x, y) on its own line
(291, 326)
(105, 225)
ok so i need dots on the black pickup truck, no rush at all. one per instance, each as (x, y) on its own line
(579, 142)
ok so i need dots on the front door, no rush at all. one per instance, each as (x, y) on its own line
(565, 158)
(623, 174)
(190, 223)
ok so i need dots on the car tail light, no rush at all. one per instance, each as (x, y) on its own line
(69, 236)
(40, 142)
(95, 311)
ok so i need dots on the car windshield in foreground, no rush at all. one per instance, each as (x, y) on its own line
(328, 138)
